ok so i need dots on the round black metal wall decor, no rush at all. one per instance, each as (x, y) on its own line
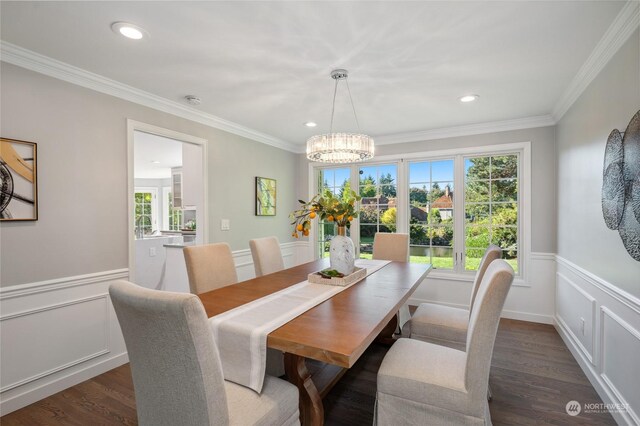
(621, 185)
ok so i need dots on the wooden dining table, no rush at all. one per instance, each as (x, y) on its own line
(335, 332)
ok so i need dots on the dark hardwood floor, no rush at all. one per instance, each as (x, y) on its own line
(533, 376)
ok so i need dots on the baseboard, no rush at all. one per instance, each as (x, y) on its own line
(20, 400)
(522, 316)
(604, 390)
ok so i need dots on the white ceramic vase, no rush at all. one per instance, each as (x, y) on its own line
(342, 253)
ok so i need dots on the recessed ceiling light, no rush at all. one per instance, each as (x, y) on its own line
(310, 124)
(155, 162)
(469, 98)
(128, 30)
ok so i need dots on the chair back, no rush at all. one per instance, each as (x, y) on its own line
(492, 253)
(387, 246)
(209, 267)
(266, 254)
(483, 326)
(177, 375)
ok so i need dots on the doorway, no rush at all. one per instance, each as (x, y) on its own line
(167, 203)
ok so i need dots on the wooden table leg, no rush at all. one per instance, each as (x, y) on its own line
(311, 409)
(386, 336)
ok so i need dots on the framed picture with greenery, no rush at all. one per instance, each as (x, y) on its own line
(265, 196)
(18, 180)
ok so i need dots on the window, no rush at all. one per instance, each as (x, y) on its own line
(171, 217)
(146, 200)
(453, 203)
(378, 208)
(431, 212)
(491, 207)
(337, 181)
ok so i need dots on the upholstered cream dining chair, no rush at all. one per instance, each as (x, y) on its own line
(446, 325)
(394, 247)
(177, 375)
(388, 246)
(425, 383)
(209, 267)
(267, 257)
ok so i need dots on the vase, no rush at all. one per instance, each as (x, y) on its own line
(342, 253)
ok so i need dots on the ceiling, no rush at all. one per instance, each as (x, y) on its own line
(154, 156)
(265, 65)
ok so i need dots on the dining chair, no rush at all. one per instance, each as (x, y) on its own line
(267, 257)
(425, 383)
(446, 325)
(176, 369)
(391, 246)
(209, 267)
(394, 247)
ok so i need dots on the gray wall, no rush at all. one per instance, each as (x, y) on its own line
(82, 174)
(609, 102)
(543, 220)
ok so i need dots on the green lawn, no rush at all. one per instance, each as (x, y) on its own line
(472, 263)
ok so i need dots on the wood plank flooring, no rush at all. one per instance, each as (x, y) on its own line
(533, 376)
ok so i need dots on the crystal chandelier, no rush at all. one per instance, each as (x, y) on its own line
(340, 147)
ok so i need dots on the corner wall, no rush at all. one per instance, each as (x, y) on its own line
(597, 282)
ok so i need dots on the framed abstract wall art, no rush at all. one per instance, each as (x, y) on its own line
(621, 185)
(18, 180)
(265, 196)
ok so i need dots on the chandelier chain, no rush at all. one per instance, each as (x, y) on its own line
(333, 107)
(346, 80)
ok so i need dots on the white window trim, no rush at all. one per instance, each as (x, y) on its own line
(166, 190)
(524, 148)
(154, 204)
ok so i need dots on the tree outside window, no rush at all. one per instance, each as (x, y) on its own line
(491, 207)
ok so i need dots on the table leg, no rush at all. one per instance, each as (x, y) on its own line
(386, 336)
(311, 409)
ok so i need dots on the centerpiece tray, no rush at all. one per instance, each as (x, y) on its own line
(355, 276)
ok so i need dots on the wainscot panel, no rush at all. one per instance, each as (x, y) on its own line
(610, 357)
(56, 334)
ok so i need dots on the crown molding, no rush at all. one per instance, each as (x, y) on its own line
(16, 55)
(468, 130)
(616, 35)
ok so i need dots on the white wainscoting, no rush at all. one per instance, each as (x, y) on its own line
(608, 349)
(56, 334)
(530, 300)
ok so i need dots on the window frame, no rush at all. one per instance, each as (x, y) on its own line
(355, 171)
(438, 158)
(459, 154)
(154, 204)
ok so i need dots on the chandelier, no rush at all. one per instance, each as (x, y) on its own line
(340, 147)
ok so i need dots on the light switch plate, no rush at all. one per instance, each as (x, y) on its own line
(225, 225)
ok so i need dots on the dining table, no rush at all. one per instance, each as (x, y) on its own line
(335, 332)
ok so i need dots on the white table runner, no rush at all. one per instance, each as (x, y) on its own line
(241, 333)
